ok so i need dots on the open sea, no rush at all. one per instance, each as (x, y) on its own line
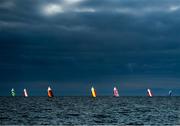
(89, 111)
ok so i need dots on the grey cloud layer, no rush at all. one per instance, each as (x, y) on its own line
(88, 40)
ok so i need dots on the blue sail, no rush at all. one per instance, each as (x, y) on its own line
(170, 93)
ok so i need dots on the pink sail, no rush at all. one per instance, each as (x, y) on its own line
(25, 93)
(149, 92)
(115, 91)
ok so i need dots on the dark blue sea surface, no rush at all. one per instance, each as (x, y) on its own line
(89, 111)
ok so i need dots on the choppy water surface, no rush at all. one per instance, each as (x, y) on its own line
(86, 110)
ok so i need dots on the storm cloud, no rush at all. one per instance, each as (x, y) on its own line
(74, 44)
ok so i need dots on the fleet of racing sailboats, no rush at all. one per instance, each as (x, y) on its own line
(93, 92)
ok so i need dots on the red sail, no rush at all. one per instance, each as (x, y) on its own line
(50, 93)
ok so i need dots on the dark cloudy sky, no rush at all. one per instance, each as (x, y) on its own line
(74, 44)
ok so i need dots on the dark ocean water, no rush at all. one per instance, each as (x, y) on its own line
(86, 110)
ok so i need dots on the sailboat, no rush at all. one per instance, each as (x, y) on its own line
(50, 93)
(13, 92)
(115, 91)
(170, 93)
(149, 93)
(25, 93)
(93, 91)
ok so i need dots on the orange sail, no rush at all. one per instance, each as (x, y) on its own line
(50, 93)
(93, 91)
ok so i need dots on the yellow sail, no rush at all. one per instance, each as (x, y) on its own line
(93, 91)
